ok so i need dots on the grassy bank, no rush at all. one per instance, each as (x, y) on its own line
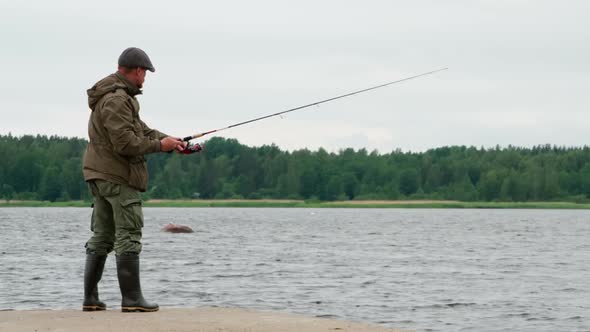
(304, 204)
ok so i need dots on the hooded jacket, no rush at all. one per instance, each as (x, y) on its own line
(118, 139)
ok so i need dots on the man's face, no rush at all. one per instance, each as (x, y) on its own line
(140, 77)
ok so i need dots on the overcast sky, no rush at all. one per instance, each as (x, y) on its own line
(518, 69)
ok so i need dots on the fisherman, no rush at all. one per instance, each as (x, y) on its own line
(116, 171)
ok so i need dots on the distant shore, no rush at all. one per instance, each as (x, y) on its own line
(178, 320)
(270, 203)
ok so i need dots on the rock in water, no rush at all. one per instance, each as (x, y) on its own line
(174, 228)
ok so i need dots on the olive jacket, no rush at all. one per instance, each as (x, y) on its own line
(118, 138)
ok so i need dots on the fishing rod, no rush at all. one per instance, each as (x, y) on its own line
(188, 138)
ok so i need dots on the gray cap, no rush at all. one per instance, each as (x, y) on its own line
(134, 57)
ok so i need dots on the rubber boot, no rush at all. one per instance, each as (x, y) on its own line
(128, 274)
(92, 274)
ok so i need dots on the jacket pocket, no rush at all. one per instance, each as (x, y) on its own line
(138, 173)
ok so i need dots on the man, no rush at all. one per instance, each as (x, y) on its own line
(116, 171)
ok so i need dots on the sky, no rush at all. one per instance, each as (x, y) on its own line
(518, 69)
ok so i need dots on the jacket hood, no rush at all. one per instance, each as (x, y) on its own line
(110, 84)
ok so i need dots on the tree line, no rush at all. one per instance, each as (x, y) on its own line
(49, 168)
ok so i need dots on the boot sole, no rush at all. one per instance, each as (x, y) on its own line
(138, 309)
(93, 308)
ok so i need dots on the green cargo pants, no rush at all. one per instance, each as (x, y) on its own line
(117, 218)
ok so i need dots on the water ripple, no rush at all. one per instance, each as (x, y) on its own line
(428, 270)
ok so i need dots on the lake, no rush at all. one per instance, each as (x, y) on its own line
(421, 269)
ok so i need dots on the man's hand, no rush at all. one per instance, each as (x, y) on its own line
(172, 143)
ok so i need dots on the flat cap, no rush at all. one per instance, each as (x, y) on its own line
(134, 57)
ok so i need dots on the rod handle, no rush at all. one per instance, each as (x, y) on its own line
(188, 138)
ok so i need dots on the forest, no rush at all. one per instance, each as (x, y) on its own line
(50, 169)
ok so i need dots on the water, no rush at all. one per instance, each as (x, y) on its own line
(428, 270)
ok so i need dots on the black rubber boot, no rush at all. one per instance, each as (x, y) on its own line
(92, 275)
(128, 274)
